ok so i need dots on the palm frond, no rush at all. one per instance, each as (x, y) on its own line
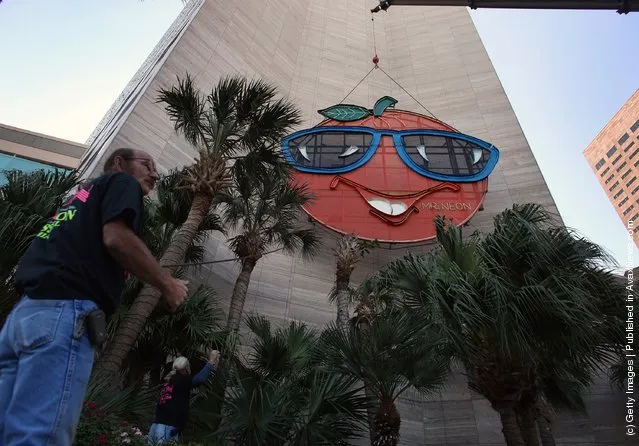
(185, 107)
(193, 327)
(397, 352)
(135, 403)
(286, 352)
(265, 212)
(257, 413)
(283, 397)
(27, 200)
(334, 413)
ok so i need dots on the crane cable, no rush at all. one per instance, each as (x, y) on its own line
(376, 66)
(374, 42)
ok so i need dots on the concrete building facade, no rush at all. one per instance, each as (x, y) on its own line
(315, 52)
(28, 151)
(614, 158)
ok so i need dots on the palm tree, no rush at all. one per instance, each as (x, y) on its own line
(396, 353)
(282, 396)
(554, 253)
(238, 118)
(513, 303)
(163, 218)
(347, 257)
(27, 200)
(349, 251)
(264, 212)
(374, 296)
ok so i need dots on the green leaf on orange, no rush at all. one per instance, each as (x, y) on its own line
(382, 104)
(345, 112)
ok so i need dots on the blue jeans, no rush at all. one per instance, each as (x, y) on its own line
(45, 364)
(161, 433)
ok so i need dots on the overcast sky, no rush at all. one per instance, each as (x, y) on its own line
(565, 72)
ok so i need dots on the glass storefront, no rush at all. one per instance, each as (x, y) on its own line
(13, 162)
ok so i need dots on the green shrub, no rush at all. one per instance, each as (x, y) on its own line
(99, 427)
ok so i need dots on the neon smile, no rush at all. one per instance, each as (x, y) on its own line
(392, 208)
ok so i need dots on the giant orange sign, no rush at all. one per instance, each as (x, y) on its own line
(385, 174)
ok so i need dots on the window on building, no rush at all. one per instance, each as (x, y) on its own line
(632, 155)
(631, 181)
(634, 217)
(618, 194)
(606, 170)
(622, 202)
(630, 208)
(635, 190)
(611, 151)
(635, 126)
(609, 178)
(616, 160)
(13, 162)
(614, 186)
(625, 174)
(623, 139)
(621, 166)
(599, 164)
(629, 146)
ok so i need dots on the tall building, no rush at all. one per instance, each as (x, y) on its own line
(28, 151)
(614, 158)
(317, 52)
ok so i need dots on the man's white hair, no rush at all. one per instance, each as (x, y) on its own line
(180, 364)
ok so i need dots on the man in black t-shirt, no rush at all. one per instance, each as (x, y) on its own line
(75, 267)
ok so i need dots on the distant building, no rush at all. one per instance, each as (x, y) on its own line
(614, 157)
(29, 151)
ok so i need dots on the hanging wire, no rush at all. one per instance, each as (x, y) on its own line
(375, 60)
(358, 84)
(406, 91)
(234, 259)
(374, 41)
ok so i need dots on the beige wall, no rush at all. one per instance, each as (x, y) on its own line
(619, 173)
(316, 51)
(38, 147)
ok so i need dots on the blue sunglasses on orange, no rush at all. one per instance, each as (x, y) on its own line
(436, 154)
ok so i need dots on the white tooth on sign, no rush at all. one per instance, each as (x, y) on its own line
(477, 154)
(422, 151)
(348, 152)
(387, 207)
(398, 208)
(304, 153)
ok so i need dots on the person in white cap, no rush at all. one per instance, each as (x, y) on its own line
(172, 410)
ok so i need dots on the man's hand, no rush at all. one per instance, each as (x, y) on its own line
(214, 357)
(175, 291)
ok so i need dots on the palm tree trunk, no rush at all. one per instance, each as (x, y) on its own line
(527, 424)
(370, 412)
(544, 422)
(510, 427)
(239, 295)
(386, 425)
(364, 326)
(132, 325)
(341, 290)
